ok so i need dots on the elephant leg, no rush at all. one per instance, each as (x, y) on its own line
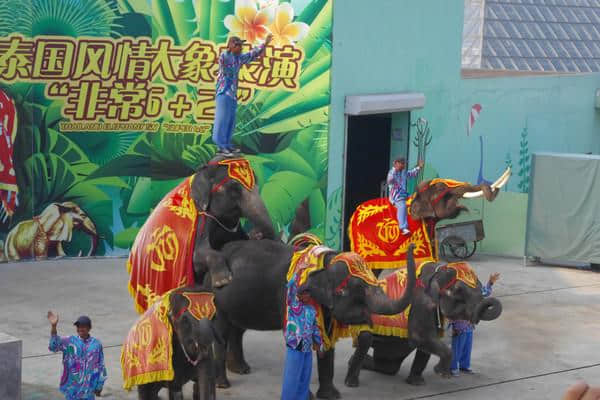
(59, 250)
(418, 366)
(204, 385)
(149, 391)
(222, 326)
(235, 352)
(207, 260)
(384, 361)
(325, 366)
(175, 392)
(437, 347)
(363, 344)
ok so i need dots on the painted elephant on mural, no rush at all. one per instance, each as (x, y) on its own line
(374, 232)
(442, 292)
(192, 352)
(44, 234)
(255, 299)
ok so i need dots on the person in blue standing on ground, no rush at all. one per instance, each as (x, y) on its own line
(462, 336)
(230, 62)
(84, 372)
(302, 336)
(396, 180)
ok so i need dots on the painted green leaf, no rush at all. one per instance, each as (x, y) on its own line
(197, 155)
(320, 30)
(311, 11)
(289, 160)
(283, 193)
(65, 148)
(126, 237)
(126, 165)
(49, 176)
(108, 181)
(138, 6)
(317, 207)
(203, 18)
(219, 10)
(263, 167)
(298, 121)
(147, 193)
(314, 94)
(162, 16)
(183, 13)
(53, 113)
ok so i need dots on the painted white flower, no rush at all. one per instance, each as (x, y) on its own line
(283, 29)
(250, 22)
(267, 3)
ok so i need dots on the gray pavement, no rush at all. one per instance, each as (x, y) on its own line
(545, 339)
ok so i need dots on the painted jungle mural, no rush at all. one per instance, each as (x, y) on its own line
(107, 105)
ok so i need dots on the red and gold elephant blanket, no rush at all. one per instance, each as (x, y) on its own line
(146, 355)
(161, 255)
(375, 235)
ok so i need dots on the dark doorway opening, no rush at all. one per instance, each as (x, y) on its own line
(367, 161)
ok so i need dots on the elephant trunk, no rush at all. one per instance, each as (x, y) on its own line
(254, 209)
(90, 229)
(379, 303)
(487, 310)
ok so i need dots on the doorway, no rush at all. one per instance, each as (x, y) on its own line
(368, 147)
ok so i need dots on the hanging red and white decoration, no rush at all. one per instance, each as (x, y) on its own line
(475, 111)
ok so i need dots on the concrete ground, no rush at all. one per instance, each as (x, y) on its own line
(545, 339)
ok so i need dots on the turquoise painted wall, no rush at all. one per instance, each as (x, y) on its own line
(415, 45)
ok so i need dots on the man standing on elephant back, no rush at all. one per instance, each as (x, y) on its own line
(230, 62)
(396, 180)
(302, 336)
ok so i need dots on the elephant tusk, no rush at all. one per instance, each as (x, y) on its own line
(502, 180)
(473, 195)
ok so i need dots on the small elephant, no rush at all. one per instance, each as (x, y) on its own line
(442, 293)
(192, 351)
(36, 237)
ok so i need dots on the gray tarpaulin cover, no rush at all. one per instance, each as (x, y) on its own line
(563, 219)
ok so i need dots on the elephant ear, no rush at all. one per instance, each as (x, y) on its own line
(440, 280)
(202, 186)
(319, 286)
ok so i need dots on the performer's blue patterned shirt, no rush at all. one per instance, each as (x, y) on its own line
(397, 183)
(229, 68)
(301, 328)
(83, 366)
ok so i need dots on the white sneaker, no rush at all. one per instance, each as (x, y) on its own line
(405, 231)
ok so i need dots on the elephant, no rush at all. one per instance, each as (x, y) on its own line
(192, 352)
(255, 299)
(37, 237)
(224, 201)
(438, 292)
(374, 232)
(181, 240)
(438, 199)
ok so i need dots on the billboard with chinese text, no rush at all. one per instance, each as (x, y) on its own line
(106, 105)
